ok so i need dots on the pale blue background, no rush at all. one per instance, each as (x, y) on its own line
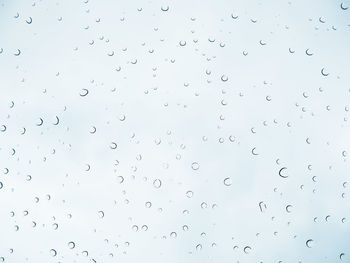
(167, 108)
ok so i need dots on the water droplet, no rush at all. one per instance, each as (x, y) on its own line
(228, 181)
(309, 243)
(224, 78)
(195, 166)
(53, 252)
(101, 214)
(189, 194)
(247, 249)
(71, 245)
(157, 183)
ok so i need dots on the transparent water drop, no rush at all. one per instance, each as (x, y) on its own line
(53, 252)
(157, 183)
(71, 245)
(227, 181)
(195, 166)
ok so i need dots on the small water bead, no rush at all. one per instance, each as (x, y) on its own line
(144, 227)
(71, 245)
(189, 194)
(53, 252)
(157, 183)
(120, 179)
(204, 205)
(344, 153)
(173, 234)
(185, 227)
(85, 253)
(247, 249)
(113, 145)
(199, 247)
(164, 8)
(309, 243)
(289, 208)
(182, 43)
(228, 181)
(135, 228)
(195, 166)
(101, 214)
(148, 204)
(224, 78)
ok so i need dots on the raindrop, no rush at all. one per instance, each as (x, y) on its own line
(189, 194)
(101, 214)
(182, 43)
(309, 243)
(204, 205)
(224, 78)
(228, 181)
(157, 183)
(53, 252)
(247, 249)
(195, 166)
(71, 245)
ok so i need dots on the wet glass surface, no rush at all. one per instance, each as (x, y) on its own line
(174, 131)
